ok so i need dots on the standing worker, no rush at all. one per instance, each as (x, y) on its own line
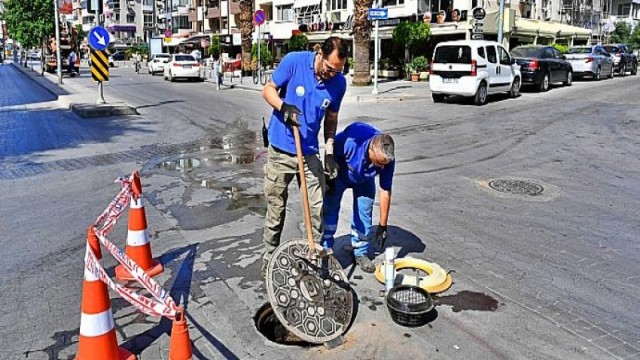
(311, 85)
(71, 66)
(362, 152)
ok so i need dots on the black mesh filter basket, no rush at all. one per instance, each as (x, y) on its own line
(409, 305)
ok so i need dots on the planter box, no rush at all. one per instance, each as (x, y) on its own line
(424, 76)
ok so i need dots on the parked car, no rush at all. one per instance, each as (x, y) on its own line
(623, 59)
(157, 62)
(35, 54)
(593, 61)
(473, 68)
(116, 56)
(542, 65)
(182, 66)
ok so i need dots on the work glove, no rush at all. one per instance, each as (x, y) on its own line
(381, 236)
(330, 167)
(288, 111)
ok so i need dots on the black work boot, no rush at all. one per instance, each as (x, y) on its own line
(365, 264)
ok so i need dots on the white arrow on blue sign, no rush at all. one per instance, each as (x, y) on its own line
(378, 14)
(98, 38)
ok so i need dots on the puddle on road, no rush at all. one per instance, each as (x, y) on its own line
(182, 165)
(468, 300)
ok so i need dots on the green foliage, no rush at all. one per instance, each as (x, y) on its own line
(298, 42)
(418, 64)
(621, 34)
(265, 55)
(214, 47)
(81, 34)
(634, 38)
(130, 52)
(29, 22)
(562, 48)
(412, 35)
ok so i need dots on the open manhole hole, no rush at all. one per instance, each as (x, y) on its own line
(516, 187)
(270, 327)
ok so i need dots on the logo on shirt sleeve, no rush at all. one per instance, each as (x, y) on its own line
(325, 104)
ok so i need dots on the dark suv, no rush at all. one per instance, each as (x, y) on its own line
(623, 59)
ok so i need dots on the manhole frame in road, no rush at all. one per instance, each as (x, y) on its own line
(516, 187)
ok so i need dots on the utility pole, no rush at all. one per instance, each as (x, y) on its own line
(376, 54)
(58, 60)
(500, 21)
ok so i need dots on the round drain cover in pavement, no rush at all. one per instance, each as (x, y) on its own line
(518, 187)
(313, 301)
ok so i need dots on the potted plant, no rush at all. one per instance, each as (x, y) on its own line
(419, 63)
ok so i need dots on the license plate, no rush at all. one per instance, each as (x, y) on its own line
(187, 66)
(450, 81)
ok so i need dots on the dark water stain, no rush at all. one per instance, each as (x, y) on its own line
(468, 300)
(371, 303)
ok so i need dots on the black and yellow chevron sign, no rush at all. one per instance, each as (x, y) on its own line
(99, 66)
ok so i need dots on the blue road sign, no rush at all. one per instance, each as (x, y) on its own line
(378, 14)
(98, 38)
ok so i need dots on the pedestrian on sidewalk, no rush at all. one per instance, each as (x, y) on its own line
(217, 74)
(311, 85)
(72, 62)
(362, 153)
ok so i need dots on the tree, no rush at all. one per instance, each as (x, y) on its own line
(621, 34)
(634, 38)
(298, 42)
(362, 42)
(29, 22)
(413, 36)
(245, 23)
(214, 47)
(265, 55)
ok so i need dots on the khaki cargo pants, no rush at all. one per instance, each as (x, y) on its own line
(280, 169)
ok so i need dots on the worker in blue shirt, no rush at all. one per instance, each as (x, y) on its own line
(310, 85)
(362, 153)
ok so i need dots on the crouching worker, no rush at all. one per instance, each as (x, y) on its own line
(361, 152)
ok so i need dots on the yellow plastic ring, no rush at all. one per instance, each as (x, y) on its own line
(435, 282)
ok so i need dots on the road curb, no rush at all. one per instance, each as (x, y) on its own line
(86, 111)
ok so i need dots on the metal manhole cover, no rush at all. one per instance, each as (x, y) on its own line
(517, 187)
(316, 304)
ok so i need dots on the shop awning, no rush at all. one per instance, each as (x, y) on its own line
(122, 28)
(304, 3)
(550, 29)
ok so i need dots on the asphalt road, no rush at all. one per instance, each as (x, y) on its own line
(550, 276)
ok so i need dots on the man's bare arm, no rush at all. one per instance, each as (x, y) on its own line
(330, 128)
(270, 94)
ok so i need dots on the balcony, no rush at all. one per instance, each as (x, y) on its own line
(213, 13)
(235, 7)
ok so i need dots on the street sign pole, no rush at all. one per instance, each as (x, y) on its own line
(100, 99)
(501, 22)
(58, 60)
(376, 54)
(259, 67)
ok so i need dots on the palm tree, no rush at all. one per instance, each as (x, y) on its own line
(245, 23)
(362, 40)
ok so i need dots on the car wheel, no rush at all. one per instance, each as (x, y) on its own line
(634, 69)
(481, 95)
(611, 72)
(596, 77)
(515, 88)
(623, 70)
(569, 79)
(544, 85)
(437, 98)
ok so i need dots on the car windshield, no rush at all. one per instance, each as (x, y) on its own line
(612, 49)
(525, 52)
(184, 58)
(456, 54)
(580, 50)
(163, 56)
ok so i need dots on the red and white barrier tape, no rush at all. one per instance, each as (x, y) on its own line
(164, 304)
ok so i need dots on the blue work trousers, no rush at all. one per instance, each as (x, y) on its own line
(363, 197)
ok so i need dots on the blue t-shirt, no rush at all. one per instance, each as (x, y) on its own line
(296, 80)
(351, 153)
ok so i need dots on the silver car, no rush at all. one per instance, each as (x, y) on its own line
(593, 61)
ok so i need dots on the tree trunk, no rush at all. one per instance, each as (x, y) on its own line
(362, 42)
(245, 23)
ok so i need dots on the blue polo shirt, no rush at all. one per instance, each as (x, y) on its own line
(351, 153)
(296, 79)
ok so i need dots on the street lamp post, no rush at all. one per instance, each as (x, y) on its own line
(58, 60)
(500, 21)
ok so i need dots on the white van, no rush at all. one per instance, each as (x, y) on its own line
(473, 68)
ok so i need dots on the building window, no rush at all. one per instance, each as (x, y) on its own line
(131, 18)
(624, 9)
(148, 20)
(339, 4)
(284, 13)
(147, 2)
(180, 22)
(386, 3)
(437, 5)
(114, 4)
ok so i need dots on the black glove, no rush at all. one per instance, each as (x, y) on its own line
(330, 167)
(331, 185)
(381, 236)
(287, 111)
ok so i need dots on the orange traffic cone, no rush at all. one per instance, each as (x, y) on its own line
(180, 345)
(138, 247)
(97, 330)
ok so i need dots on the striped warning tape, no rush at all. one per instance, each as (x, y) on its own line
(164, 304)
(99, 66)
